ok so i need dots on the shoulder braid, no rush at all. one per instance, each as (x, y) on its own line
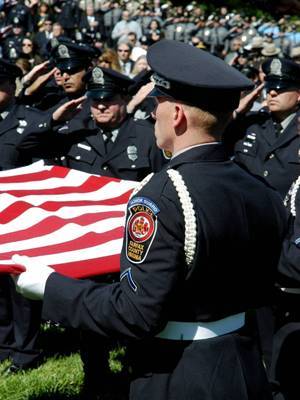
(292, 196)
(188, 214)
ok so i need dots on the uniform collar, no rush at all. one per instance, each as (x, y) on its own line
(192, 147)
(214, 152)
(287, 120)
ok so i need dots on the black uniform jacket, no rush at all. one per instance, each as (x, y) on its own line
(276, 159)
(79, 144)
(12, 130)
(289, 265)
(238, 240)
(240, 224)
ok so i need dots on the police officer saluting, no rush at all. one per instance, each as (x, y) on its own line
(111, 143)
(270, 147)
(72, 61)
(201, 246)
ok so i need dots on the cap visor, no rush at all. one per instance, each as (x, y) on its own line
(280, 85)
(100, 94)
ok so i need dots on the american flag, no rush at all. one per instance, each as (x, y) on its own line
(68, 219)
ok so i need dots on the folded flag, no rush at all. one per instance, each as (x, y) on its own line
(68, 219)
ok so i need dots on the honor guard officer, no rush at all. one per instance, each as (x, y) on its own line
(19, 317)
(270, 146)
(111, 143)
(201, 246)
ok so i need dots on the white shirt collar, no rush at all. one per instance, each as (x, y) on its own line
(114, 134)
(287, 120)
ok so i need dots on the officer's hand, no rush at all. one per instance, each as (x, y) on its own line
(32, 282)
(140, 96)
(35, 72)
(39, 82)
(247, 101)
(68, 110)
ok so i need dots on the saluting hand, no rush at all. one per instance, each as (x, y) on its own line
(247, 101)
(40, 81)
(68, 110)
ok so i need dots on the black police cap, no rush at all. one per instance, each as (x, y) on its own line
(9, 71)
(105, 83)
(281, 73)
(191, 75)
(68, 54)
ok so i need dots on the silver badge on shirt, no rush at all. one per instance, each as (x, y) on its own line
(132, 153)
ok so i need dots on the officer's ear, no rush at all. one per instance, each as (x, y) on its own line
(179, 117)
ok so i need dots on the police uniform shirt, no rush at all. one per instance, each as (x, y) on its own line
(12, 130)
(79, 144)
(273, 157)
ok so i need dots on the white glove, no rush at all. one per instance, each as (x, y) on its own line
(32, 282)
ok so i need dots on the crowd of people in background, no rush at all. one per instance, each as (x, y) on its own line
(55, 53)
(125, 29)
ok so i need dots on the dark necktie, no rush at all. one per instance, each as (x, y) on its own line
(278, 128)
(107, 138)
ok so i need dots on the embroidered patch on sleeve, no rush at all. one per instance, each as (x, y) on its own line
(127, 274)
(140, 228)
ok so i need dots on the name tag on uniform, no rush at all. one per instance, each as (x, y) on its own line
(63, 128)
(84, 147)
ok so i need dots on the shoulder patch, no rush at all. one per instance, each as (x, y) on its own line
(140, 228)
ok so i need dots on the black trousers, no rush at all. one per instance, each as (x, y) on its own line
(99, 379)
(20, 320)
(220, 368)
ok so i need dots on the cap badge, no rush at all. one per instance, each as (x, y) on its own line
(160, 81)
(97, 76)
(275, 67)
(63, 51)
(132, 153)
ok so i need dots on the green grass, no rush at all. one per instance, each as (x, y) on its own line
(57, 378)
(60, 376)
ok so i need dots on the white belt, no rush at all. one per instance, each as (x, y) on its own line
(201, 330)
(290, 290)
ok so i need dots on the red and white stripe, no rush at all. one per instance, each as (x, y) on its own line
(68, 219)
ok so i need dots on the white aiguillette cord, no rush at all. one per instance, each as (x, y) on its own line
(292, 195)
